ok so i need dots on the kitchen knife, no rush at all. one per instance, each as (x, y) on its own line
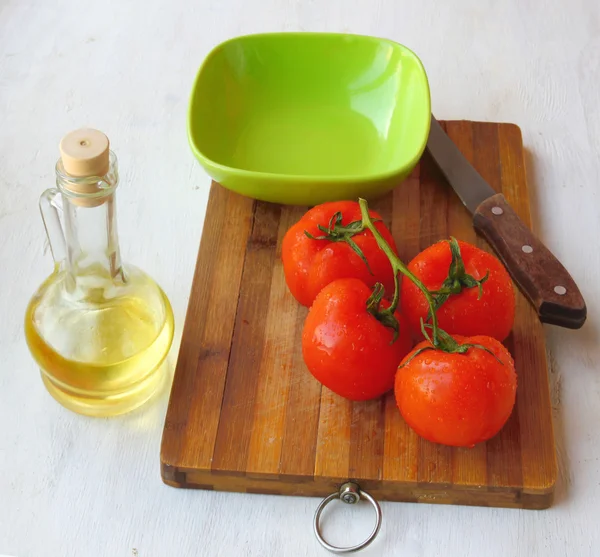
(537, 272)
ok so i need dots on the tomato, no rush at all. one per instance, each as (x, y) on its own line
(457, 399)
(346, 348)
(464, 313)
(311, 264)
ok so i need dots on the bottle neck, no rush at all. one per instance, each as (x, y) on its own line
(92, 239)
(90, 222)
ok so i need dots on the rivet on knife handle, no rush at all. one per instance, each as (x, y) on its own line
(541, 277)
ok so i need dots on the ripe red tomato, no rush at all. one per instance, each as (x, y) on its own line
(346, 348)
(457, 399)
(461, 314)
(309, 265)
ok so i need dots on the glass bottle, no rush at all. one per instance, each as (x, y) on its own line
(99, 329)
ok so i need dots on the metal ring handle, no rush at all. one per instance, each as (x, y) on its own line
(349, 493)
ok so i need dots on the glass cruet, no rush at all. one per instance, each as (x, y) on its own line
(99, 329)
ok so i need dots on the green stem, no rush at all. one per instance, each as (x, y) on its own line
(457, 279)
(396, 297)
(398, 266)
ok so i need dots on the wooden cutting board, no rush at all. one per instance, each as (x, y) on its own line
(246, 415)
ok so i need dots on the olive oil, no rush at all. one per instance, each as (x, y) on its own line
(101, 357)
(99, 330)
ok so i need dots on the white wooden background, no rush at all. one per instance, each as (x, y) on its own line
(72, 486)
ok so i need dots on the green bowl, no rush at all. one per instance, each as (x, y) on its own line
(304, 118)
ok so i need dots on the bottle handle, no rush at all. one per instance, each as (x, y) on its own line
(50, 209)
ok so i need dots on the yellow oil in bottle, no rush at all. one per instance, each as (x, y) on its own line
(100, 355)
(99, 329)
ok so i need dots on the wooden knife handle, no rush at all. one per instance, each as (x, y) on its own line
(539, 275)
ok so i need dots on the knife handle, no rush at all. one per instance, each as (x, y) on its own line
(537, 272)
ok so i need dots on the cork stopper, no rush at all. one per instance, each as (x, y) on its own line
(85, 152)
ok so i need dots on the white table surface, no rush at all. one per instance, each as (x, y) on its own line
(74, 486)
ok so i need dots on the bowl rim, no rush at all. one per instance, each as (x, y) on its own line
(307, 178)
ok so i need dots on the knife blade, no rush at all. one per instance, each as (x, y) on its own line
(537, 272)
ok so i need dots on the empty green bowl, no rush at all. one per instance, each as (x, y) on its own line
(304, 118)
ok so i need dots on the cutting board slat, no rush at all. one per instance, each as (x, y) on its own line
(245, 414)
